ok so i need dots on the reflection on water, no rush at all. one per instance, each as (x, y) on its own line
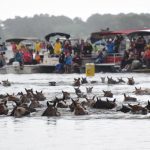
(100, 130)
(52, 133)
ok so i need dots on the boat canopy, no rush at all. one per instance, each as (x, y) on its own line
(95, 36)
(48, 36)
(18, 40)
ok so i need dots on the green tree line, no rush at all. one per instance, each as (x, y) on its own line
(40, 25)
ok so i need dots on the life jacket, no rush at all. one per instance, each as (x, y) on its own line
(37, 58)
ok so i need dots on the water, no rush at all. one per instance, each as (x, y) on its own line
(105, 130)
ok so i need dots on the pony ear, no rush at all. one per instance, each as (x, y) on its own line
(107, 99)
(124, 95)
(54, 105)
(48, 104)
(114, 100)
(136, 88)
(93, 97)
(148, 102)
(73, 102)
(130, 105)
(5, 102)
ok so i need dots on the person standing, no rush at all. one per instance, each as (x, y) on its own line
(57, 47)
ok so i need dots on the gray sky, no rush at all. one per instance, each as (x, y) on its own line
(71, 8)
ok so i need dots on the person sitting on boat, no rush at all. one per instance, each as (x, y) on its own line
(87, 49)
(37, 58)
(128, 62)
(37, 46)
(14, 47)
(19, 58)
(50, 48)
(139, 45)
(76, 48)
(147, 56)
(76, 62)
(57, 48)
(67, 48)
(27, 57)
(101, 56)
(60, 67)
(125, 58)
(110, 46)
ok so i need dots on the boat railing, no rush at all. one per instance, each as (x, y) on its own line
(115, 58)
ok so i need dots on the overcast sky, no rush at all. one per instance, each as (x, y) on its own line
(71, 8)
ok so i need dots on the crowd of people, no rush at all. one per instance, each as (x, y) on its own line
(69, 55)
(134, 55)
(137, 55)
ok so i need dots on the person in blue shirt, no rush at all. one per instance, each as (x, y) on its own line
(19, 58)
(68, 63)
(110, 46)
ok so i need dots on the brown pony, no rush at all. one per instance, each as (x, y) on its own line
(66, 95)
(51, 110)
(100, 104)
(129, 98)
(137, 109)
(84, 80)
(21, 111)
(79, 109)
(124, 109)
(76, 82)
(39, 96)
(3, 108)
(111, 81)
(131, 81)
(52, 83)
(108, 94)
(103, 79)
(140, 91)
(88, 102)
(6, 83)
(89, 89)
(120, 80)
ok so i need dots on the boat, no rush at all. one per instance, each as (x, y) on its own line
(112, 63)
(47, 66)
